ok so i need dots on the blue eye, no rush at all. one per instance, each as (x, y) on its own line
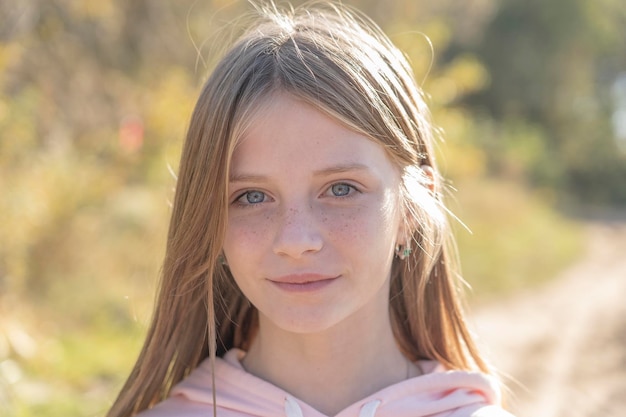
(341, 189)
(252, 197)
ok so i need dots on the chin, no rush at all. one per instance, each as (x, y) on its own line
(305, 322)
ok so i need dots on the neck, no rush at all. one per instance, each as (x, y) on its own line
(332, 369)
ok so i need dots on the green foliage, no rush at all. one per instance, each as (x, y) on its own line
(552, 64)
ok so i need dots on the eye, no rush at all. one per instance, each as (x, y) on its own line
(251, 197)
(341, 189)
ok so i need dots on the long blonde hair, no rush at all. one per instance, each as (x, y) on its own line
(340, 62)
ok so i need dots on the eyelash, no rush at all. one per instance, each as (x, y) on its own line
(351, 191)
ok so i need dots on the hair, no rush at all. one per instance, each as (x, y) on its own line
(340, 62)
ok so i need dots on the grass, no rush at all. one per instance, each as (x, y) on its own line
(75, 372)
(62, 365)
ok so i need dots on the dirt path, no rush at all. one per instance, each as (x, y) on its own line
(565, 344)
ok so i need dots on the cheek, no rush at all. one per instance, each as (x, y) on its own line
(367, 229)
(346, 225)
(244, 235)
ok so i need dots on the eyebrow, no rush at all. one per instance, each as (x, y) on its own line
(338, 169)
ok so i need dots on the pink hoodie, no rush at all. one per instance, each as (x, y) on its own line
(438, 393)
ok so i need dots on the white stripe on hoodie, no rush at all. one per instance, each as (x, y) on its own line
(437, 393)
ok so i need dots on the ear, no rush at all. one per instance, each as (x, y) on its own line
(429, 176)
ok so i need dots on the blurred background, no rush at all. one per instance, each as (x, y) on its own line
(95, 96)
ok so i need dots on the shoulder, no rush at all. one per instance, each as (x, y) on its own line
(178, 406)
(238, 393)
(174, 406)
(457, 393)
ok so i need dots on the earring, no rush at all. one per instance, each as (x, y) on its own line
(403, 251)
(222, 260)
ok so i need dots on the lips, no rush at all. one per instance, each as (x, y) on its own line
(303, 282)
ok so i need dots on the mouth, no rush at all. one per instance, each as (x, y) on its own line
(303, 282)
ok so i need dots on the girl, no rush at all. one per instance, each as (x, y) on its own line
(306, 271)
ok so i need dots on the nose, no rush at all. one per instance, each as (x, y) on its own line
(298, 233)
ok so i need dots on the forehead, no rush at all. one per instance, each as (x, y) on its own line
(288, 134)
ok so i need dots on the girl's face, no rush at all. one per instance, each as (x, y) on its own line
(313, 219)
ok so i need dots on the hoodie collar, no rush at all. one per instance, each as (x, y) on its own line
(437, 391)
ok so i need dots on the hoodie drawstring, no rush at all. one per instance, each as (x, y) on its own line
(292, 408)
(369, 409)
